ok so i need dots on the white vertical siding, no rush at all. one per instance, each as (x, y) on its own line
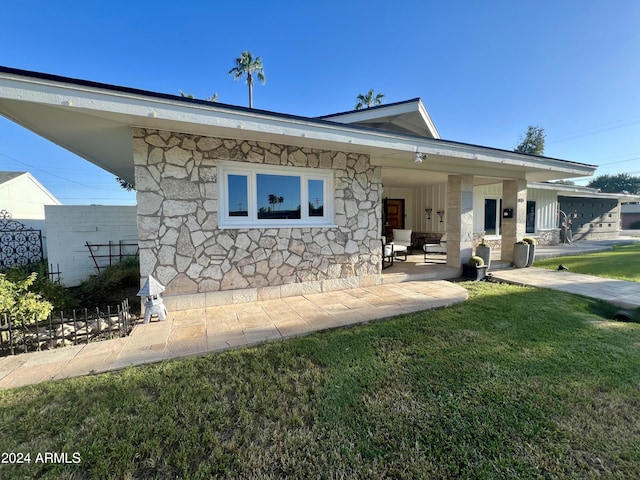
(479, 195)
(434, 197)
(546, 208)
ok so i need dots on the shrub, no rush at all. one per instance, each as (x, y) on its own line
(112, 285)
(18, 302)
(52, 291)
(475, 261)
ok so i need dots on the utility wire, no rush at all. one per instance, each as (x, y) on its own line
(93, 187)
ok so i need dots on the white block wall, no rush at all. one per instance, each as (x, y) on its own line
(69, 227)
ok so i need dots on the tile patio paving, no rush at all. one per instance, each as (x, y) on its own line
(196, 332)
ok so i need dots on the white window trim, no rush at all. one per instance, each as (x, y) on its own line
(251, 170)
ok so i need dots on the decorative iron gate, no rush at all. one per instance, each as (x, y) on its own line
(19, 245)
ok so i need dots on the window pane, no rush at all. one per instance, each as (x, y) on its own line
(490, 206)
(278, 197)
(238, 198)
(316, 198)
(531, 216)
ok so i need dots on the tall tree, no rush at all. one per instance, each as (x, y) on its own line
(369, 99)
(245, 64)
(532, 142)
(273, 199)
(620, 183)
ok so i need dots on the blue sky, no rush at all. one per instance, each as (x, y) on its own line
(484, 69)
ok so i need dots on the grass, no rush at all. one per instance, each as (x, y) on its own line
(622, 263)
(515, 383)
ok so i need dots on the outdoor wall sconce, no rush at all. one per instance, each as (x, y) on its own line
(440, 214)
(428, 210)
(507, 213)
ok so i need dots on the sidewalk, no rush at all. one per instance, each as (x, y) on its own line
(622, 294)
(196, 332)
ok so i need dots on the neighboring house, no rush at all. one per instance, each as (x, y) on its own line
(630, 215)
(237, 204)
(24, 198)
(22, 203)
(590, 214)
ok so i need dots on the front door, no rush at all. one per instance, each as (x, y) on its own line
(394, 215)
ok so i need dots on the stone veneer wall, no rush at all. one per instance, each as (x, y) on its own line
(201, 264)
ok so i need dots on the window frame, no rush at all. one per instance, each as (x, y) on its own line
(251, 171)
(498, 217)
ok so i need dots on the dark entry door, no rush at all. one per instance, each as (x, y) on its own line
(394, 215)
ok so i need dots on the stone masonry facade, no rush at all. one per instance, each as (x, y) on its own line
(201, 264)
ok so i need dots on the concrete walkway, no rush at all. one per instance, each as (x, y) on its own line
(196, 332)
(617, 292)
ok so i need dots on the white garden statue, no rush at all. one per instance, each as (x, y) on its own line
(153, 303)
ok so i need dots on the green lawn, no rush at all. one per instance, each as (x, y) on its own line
(515, 383)
(622, 263)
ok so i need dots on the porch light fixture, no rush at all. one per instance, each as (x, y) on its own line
(428, 210)
(440, 214)
(420, 157)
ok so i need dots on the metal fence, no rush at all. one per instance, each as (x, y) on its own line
(19, 244)
(60, 330)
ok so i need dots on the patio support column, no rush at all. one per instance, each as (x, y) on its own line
(514, 196)
(459, 219)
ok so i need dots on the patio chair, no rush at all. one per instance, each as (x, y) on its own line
(435, 247)
(387, 253)
(402, 238)
(390, 252)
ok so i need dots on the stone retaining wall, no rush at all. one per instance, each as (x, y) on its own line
(183, 247)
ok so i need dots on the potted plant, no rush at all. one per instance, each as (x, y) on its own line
(532, 249)
(474, 269)
(483, 250)
(520, 254)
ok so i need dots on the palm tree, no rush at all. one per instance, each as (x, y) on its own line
(369, 99)
(273, 199)
(247, 65)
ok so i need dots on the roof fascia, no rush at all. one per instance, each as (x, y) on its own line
(580, 191)
(35, 181)
(427, 119)
(148, 110)
(386, 106)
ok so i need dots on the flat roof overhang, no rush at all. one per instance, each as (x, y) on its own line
(584, 192)
(94, 121)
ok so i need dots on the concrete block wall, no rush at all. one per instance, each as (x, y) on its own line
(69, 227)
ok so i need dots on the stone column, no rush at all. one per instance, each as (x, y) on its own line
(459, 219)
(514, 195)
